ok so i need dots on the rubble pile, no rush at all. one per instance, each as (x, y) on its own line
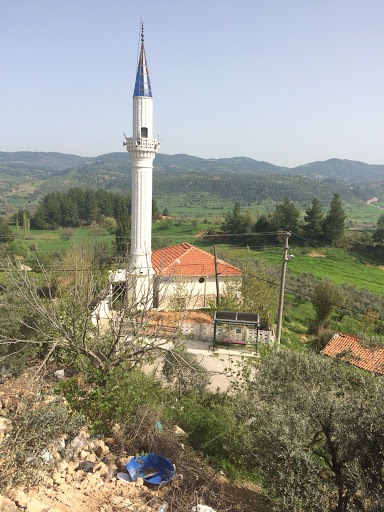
(87, 482)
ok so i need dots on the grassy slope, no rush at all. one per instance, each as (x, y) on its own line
(336, 264)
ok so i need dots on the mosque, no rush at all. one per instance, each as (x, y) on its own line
(180, 269)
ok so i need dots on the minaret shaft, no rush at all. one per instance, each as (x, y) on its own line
(141, 213)
(142, 150)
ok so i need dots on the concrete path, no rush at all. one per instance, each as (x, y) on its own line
(218, 362)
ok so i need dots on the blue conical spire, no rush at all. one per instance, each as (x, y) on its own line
(143, 83)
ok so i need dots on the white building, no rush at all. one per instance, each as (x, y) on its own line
(183, 277)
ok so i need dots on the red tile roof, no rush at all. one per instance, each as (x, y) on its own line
(187, 260)
(352, 350)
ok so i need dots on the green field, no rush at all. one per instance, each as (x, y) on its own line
(50, 240)
(339, 265)
(364, 215)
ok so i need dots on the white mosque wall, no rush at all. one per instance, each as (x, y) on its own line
(176, 290)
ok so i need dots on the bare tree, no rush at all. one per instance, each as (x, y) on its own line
(97, 325)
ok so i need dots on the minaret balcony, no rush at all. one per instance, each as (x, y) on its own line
(141, 143)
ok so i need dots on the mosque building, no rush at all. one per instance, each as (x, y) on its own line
(166, 272)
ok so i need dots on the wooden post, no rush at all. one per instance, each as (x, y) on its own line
(282, 287)
(217, 279)
(214, 335)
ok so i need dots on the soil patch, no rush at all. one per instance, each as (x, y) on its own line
(315, 254)
(172, 318)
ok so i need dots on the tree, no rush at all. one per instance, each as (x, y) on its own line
(286, 216)
(5, 232)
(327, 296)
(123, 231)
(236, 222)
(316, 432)
(314, 218)
(259, 290)
(110, 224)
(90, 206)
(156, 215)
(166, 212)
(378, 234)
(71, 325)
(334, 222)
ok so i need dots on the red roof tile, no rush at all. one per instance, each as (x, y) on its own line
(354, 351)
(187, 260)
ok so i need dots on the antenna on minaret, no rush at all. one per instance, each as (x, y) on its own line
(142, 31)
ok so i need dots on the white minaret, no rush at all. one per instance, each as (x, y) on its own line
(142, 149)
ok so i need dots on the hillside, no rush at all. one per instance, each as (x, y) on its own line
(48, 164)
(25, 177)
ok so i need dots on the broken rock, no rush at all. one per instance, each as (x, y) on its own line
(19, 497)
(7, 505)
(35, 505)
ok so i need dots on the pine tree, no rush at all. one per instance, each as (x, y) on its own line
(314, 218)
(334, 222)
(156, 215)
(238, 222)
(378, 234)
(90, 206)
(286, 216)
(123, 231)
(5, 232)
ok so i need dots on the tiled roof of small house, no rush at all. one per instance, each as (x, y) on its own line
(352, 350)
(187, 260)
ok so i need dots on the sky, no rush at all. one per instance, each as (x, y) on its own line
(283, 81)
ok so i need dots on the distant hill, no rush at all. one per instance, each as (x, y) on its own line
(26, 176)
(30, 163)
(48, 164)
(346, 170)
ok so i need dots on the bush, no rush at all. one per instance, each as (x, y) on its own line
(35, 425)
(213, 426)
(115, 400)
(66, 234)
(318, 342)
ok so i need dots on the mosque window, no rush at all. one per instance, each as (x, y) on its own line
(144, 132)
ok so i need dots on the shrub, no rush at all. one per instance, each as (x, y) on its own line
(115, 400)
(66, 234)
(35, 425)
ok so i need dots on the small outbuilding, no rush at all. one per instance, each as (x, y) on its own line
(355, 351)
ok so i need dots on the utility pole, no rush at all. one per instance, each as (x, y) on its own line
(217, 279)
(282, 286)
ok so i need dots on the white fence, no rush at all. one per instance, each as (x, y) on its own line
(204, 332)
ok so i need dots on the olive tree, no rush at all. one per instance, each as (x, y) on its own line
(327, 296)
(317, 437)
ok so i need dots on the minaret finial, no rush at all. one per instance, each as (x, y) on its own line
(142, 31)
